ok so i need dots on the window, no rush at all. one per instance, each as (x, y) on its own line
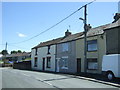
(92, 45)
(48, 49)
(35, 62)
(65, 62)
(92, 64)
(48, 62)
(35, 51)
(65, 47)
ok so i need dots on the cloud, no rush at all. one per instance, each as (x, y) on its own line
(21, 34)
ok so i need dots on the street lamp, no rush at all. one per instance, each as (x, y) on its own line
(85, 37)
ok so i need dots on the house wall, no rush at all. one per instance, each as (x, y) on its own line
(42, 53)
(32, 60)
(71, 57)
(113, 40)
(101, 45)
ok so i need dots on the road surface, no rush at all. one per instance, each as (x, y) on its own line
(13, 78)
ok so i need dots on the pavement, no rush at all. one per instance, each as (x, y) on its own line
(92, 77)
(13, 78)
(99, 78)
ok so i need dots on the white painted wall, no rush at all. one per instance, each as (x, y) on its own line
(32, 60)
(42, 53)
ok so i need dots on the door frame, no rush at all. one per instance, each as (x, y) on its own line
(57, 65)
(43, 64)
(78, 65)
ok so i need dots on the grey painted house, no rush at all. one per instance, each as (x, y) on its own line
(66, 54)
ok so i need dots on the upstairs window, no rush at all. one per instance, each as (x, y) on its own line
(48, 62)
(92, 45)
(35, 62)
(65, 47)
(36, 51)
(48, 50)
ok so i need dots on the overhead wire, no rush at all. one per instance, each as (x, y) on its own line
(54, 24)
(11, 45)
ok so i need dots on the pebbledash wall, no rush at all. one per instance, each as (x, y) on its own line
(66, 58)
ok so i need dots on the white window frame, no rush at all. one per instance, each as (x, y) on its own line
(92, 64)
(65, 47)
(91, 45)
(65, 64)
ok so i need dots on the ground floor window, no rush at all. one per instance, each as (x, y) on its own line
(48, 62)
(92, 64)
(65, 62)
(35, 62)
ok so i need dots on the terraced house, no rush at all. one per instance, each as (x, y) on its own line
(44, 56)
(66, 54)
(101, 41)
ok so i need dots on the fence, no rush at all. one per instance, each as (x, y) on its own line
(24, 65)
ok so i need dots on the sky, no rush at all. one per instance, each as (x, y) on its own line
(23, 20)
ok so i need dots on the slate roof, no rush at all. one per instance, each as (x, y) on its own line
(112, 25)
(92, 32)
(100, 29)
(51, 42)
(71, 37)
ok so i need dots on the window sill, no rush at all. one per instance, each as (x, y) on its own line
(92, 69)
(93, 51)
(64, 51)
(64, 67)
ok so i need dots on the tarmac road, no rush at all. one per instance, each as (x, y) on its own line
(13, 78)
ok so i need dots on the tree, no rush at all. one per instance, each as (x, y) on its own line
(24, 52)
(19, 51)
(4, 52)
(13, 52)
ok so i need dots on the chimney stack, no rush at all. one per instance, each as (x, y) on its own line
(67, 33)
(116, 17)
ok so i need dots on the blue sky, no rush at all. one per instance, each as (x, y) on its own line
(23, 20)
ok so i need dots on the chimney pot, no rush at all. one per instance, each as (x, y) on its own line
(67, 33)
(116, 17)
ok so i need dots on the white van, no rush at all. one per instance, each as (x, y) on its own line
(111, 66)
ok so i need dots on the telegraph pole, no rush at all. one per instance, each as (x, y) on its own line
(6, 46)
(5, 52)
(85, 38)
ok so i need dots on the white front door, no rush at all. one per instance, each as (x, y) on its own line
(58, 59)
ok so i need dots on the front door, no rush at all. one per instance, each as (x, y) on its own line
(43, 64)
(58, 59)
(78, 65)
